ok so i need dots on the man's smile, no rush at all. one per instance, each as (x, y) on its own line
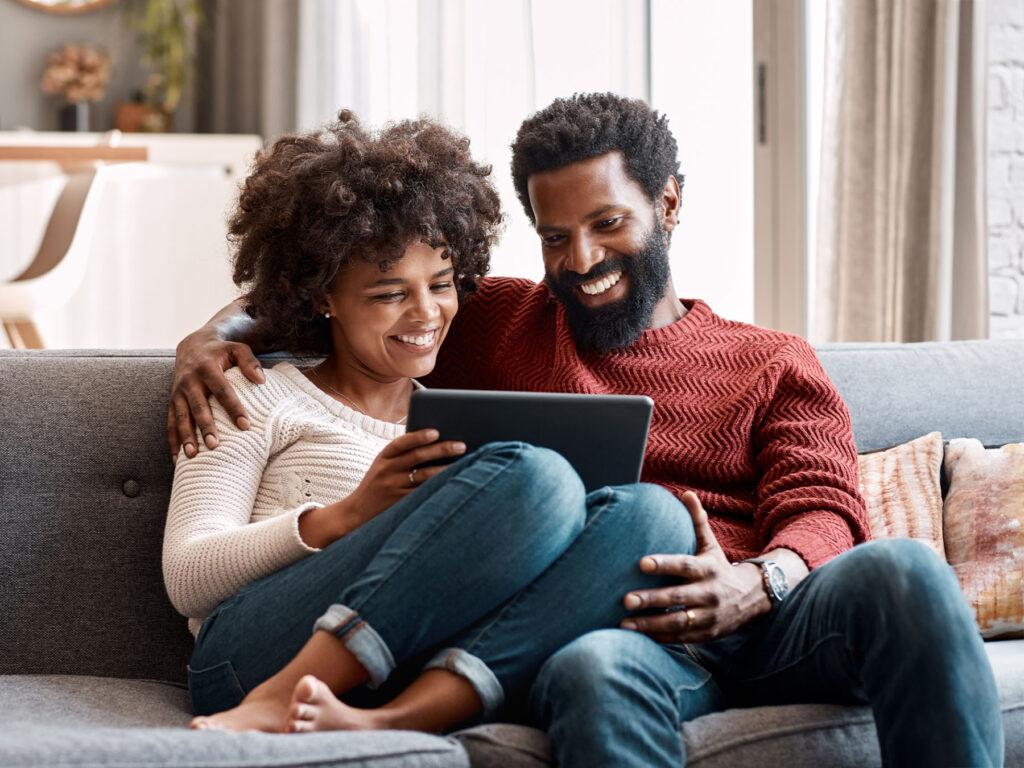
(602, 284)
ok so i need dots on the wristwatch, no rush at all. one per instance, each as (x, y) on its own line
(773, 577)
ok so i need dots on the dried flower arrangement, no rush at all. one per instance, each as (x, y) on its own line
(79, 72)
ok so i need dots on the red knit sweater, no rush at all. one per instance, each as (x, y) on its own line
(744, 416)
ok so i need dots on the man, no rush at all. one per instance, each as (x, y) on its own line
(776, 605)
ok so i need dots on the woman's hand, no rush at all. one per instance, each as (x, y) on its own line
(391, 477)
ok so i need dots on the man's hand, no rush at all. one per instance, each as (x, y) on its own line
(719, 596)
(199, 365)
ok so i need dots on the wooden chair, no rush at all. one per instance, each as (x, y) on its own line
(60, 262)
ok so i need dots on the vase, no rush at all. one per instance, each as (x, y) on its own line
(75, 116)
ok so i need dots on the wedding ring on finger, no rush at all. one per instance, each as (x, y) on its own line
(412, 477)
(689, 618)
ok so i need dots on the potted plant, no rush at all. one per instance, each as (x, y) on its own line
(166, 31)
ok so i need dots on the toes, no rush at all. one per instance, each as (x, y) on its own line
(299, 726)
(309, 690)
(302, 712)
(204, 724)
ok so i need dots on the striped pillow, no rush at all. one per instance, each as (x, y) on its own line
(901, 486)
(984, 531)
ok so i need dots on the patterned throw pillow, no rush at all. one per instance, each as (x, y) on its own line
(984, 531)
(903, 492)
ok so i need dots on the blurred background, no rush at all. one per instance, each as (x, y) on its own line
(853, 171)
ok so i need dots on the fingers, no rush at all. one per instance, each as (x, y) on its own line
(408, 441)
(682, 625)
(428, 453)
(172, 433)
(669, 597)
(213, 379)
(199, 414)
(684, 566)
(183, 427)
(243, 357)
(414, 448)
(425, 473)
(701, 526)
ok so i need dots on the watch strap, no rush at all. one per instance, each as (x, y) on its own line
(766, 565)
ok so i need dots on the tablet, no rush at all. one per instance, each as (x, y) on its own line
(602, 436)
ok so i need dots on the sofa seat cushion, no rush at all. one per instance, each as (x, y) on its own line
(90, 721)
(796, 734)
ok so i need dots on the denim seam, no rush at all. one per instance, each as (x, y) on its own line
(688, 647)
(695, 687)
(523, 592)
(420, 544)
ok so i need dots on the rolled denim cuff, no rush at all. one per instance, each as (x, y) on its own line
(361, 640)
(463, 663)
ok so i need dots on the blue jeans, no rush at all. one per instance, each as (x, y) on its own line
(883, 624)
(486, 569)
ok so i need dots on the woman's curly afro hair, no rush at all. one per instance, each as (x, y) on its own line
(590, 125)
(316, 201)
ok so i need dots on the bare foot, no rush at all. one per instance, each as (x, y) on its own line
(315, 708)
(259, 711)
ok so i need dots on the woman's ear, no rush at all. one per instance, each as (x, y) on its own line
(323, 306)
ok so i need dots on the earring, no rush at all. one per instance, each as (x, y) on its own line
(327, 314)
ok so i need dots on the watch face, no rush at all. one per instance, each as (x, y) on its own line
(778, 582)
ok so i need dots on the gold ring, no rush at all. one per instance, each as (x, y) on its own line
(412, 477)
(689, 618)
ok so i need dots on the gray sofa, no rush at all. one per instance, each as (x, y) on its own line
(92, 655)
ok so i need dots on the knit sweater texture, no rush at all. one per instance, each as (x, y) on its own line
(234, 511)
(744, 416)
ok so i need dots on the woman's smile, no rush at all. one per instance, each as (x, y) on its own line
(419, 342)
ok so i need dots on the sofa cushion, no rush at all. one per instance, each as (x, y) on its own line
(81, 701)
(77, 721)
(896, 392)
(796, 734)
(903, 491)
(84, 484)
(984, 524)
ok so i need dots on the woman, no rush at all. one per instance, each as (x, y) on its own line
(312, 552)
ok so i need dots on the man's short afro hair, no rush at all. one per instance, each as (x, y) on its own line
(590, 125)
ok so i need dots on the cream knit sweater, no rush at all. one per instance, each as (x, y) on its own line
(234, 511)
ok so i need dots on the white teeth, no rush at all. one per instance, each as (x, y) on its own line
(419, 341)
(602, 285)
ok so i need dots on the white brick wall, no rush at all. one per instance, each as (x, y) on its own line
(1006, 167)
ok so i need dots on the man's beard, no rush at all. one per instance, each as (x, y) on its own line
(619, 324)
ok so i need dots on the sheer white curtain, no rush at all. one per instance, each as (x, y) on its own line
(481, 66)
(902, 243)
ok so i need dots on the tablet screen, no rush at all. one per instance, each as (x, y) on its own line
(602, 436)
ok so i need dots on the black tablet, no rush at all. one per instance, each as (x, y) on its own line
(602, 436)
